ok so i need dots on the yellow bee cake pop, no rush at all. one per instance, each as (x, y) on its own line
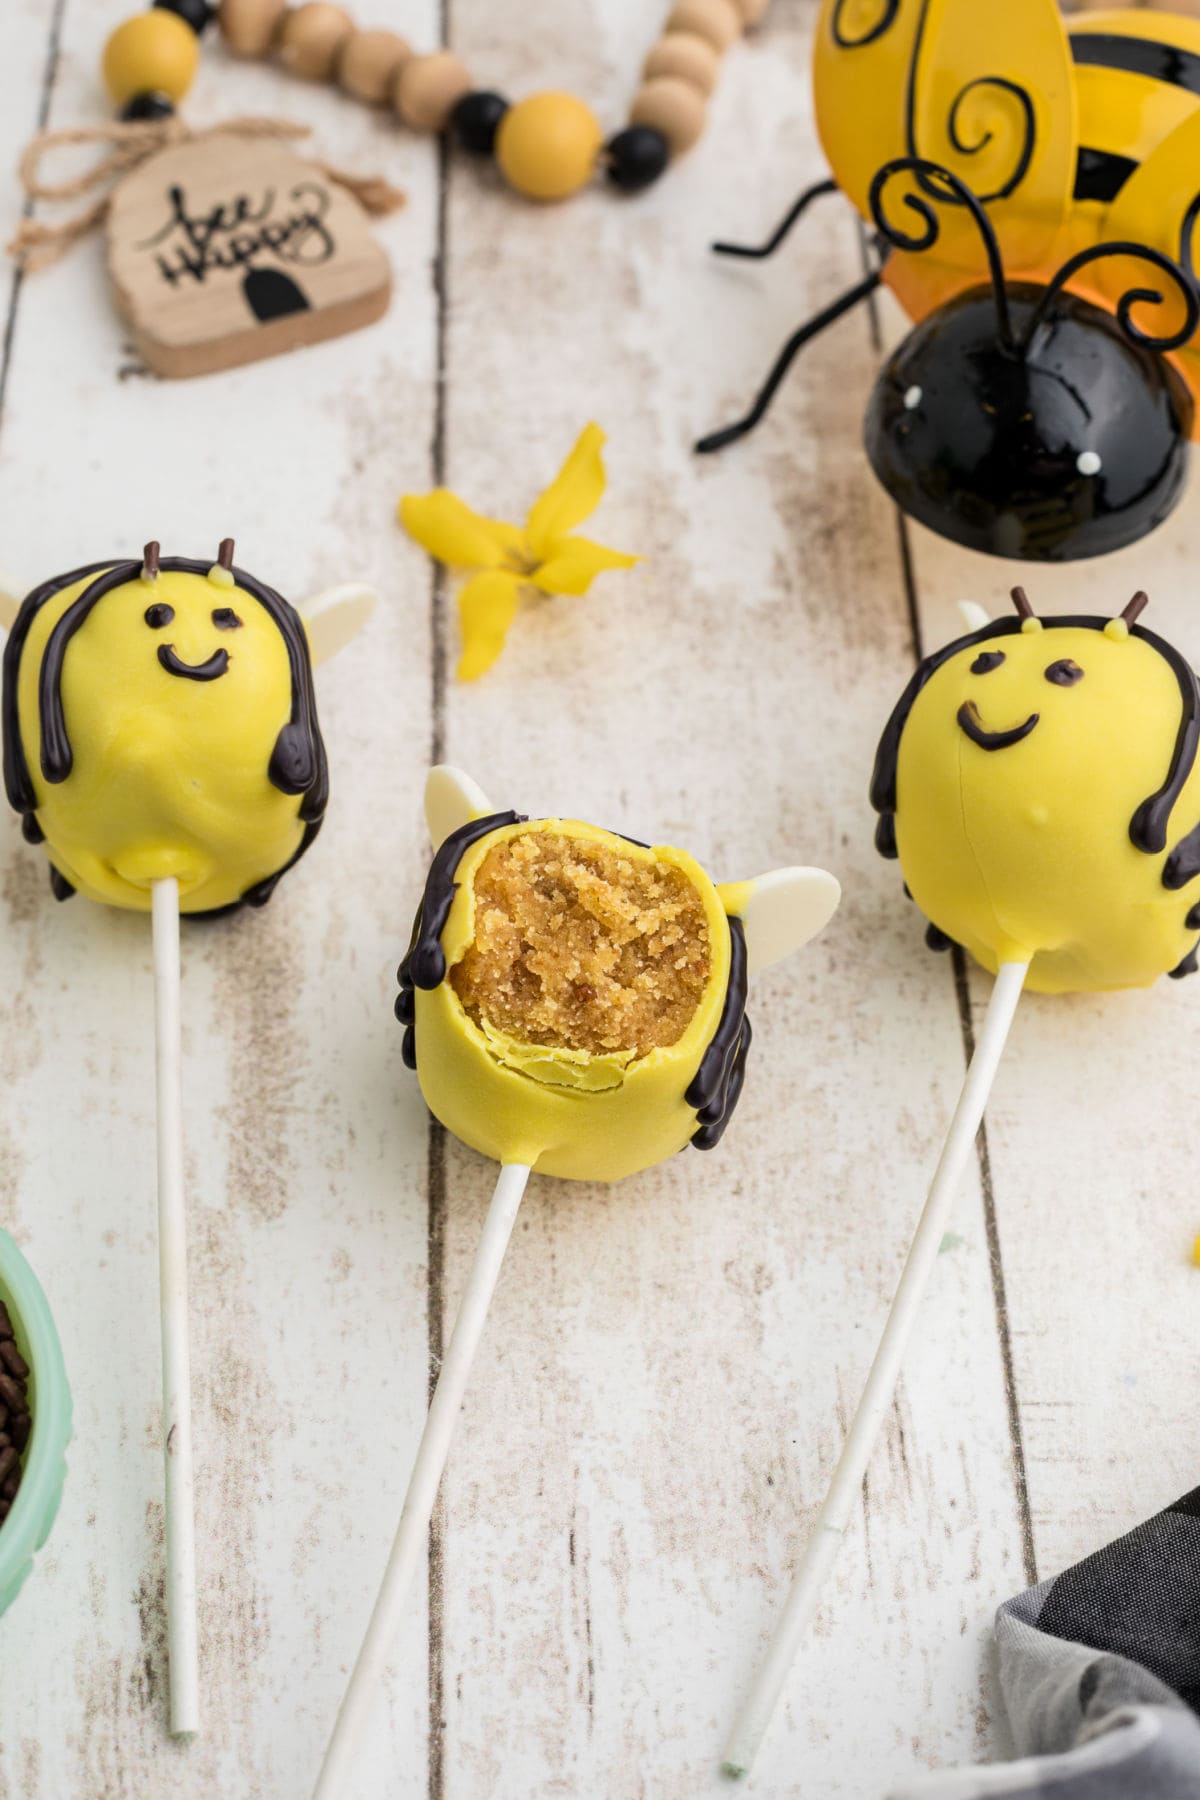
(1038, 782)
(161, 739)
(575, 1001)
(159, 722)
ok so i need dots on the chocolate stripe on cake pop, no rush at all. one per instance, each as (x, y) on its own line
(424, 964)
(17, 783)
(717, 1083)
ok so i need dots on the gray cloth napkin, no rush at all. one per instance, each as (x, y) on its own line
(1100, 1671)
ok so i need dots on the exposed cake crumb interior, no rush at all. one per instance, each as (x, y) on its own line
(581, 947)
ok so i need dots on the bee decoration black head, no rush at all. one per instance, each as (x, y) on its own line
(1019, 418)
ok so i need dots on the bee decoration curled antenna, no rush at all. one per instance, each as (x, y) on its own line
(1042, 403)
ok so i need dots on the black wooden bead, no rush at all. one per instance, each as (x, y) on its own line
(196, 13)
(476, 120)
(636, 157)
(148, 106)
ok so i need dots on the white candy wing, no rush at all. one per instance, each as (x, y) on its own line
(336, 616)
(452, 800)
(783, 911)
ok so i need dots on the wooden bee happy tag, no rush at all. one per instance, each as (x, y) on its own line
(223, 249)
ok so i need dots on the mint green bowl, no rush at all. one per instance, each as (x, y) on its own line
(45, 1465)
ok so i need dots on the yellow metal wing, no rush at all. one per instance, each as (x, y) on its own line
(1159, 206)
(986, 91)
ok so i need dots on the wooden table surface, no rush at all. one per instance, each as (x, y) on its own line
(670, 1364)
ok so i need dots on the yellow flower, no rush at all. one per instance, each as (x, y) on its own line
(542, 554)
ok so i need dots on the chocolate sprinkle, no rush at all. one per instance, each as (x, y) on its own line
(15, 1421)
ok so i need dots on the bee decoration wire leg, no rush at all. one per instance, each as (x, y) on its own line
(728, 434)
(795, 212)
(182, 1665)
(845, 1489)
(413, 1529)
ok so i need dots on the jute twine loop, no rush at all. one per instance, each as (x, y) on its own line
(126, 145)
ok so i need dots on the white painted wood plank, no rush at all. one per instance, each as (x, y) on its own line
(673, 1360)
(306, 1143)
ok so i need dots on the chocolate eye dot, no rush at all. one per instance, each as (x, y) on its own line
(158, 615)
(225, 619)
(1065, 673)
(986, 661)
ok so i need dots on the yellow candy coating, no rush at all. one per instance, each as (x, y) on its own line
(547, 145)
(169, 768)
(156, 52)
(1015, 837)
(529, 1103)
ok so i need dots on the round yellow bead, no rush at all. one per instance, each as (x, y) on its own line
(547, 146)
(154, 53)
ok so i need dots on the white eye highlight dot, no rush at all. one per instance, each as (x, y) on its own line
(1087, 462)
(912, 399)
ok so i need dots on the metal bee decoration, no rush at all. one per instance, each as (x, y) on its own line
(1042, 404)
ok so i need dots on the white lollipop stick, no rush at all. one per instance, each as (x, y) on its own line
(183, 1666)
(424, 1481)
(846, 1486)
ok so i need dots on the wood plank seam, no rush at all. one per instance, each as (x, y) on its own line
(17, 283)
(435, 1280)
(966, 1026)
(991, 1224)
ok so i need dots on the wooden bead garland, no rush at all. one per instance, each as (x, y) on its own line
(686, 57)
(428, 88)
(311, 39)
(547, 150)
(370, 62)
(547, 146)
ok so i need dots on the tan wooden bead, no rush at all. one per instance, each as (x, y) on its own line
(249, 26)
(370, 62)
(717, 21)
(426, 89)
(688, 57)
(673, 107)
(753, 11)
(311, 39)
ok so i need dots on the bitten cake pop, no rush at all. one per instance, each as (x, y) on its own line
(161, 740)
(572, 1002)
(1038, 783)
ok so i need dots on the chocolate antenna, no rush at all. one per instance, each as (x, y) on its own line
(938, 181)
(150, 561)
(1020, 600)
(225, 554)
(1136, 607)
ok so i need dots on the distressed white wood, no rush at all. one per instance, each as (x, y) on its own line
(639, 1463)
